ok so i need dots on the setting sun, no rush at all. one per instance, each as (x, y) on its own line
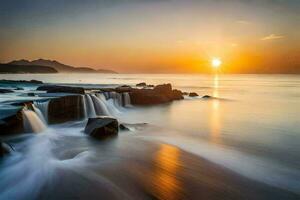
(216, 62)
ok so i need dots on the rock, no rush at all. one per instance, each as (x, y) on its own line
(150, 85)
(64, 109)
(35, 81)
(143, 84)
(123, 88)
(61, 89)
(5, 148)
(2, 91)
(123, 127)
(193, 94)
(185, 93)
(160, 94)
(12, 124)
(30, 94)
(19, 88)
(177, 94)
(4, 81)
(102, 127)
(206, 96)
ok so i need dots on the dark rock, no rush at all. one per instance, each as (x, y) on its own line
(2, 91)
(150, 85)
(143, 84)
(31, 94)
(123, 88)
(185, 93)
(35, 81)
(12, 124)
(4, 81)
(64, 109)
(5, 148)
(123, 127)
(206, 96)
(193, 94)
(61, 89)
(19, 88)
(160, 94)
(102, 127)
(177, 94)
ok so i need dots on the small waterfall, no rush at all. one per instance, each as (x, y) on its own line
(84, 106)
(100, 106)
(32, 122)
(126, 97)
(41, 108)
(90, 106)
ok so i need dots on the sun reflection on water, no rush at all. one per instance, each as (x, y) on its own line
(165, 182)
(215, 112)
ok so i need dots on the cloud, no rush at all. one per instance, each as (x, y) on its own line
(272, 37)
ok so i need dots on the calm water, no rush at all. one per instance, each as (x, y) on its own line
(252, 128)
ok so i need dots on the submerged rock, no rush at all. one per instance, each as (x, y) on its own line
(5, 148)
(193, 94)
(2, 91)
(143, 84)
(123, 127)
(206, 96)
(102, 127)
(64, 109)
(61, 89)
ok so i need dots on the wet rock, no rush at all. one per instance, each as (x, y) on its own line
(193, 94)
(150, 86)
(123, 127)
(3, 91)
(185, 93)
(30, 94)
(19, 88)
(206, 97)
(143, 84)
(5, 148)
(64, 109)
(123, 88)
(12, 124)
(61, 89)
(160, 94)
(102, 127)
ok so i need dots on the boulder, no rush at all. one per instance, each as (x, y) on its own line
(64, 109)
(61, 89)
(193, 94)
(143, 84)
(185, 93)
(159, 94)
(150, 86)
(102, 127)
(123, 88)
(5, 148)
(2, 91)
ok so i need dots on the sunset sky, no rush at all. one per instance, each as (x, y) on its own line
(154, 36)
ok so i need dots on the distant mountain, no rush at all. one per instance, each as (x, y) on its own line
(62, 68)
(24, 69)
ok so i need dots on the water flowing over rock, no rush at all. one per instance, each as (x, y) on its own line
(102, 127)
(32, 122)
(41, 109)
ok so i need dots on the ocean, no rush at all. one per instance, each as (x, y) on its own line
(243, 143)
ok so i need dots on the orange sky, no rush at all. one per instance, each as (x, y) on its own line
(156, 36)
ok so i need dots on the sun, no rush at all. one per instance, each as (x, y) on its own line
(216, 63)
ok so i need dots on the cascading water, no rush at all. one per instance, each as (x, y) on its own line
(41, 108)
(99, 106)
(90, 106)
(32, 122)
(84, 106)
(126, 97)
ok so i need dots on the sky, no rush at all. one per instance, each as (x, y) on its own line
(154, 36)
